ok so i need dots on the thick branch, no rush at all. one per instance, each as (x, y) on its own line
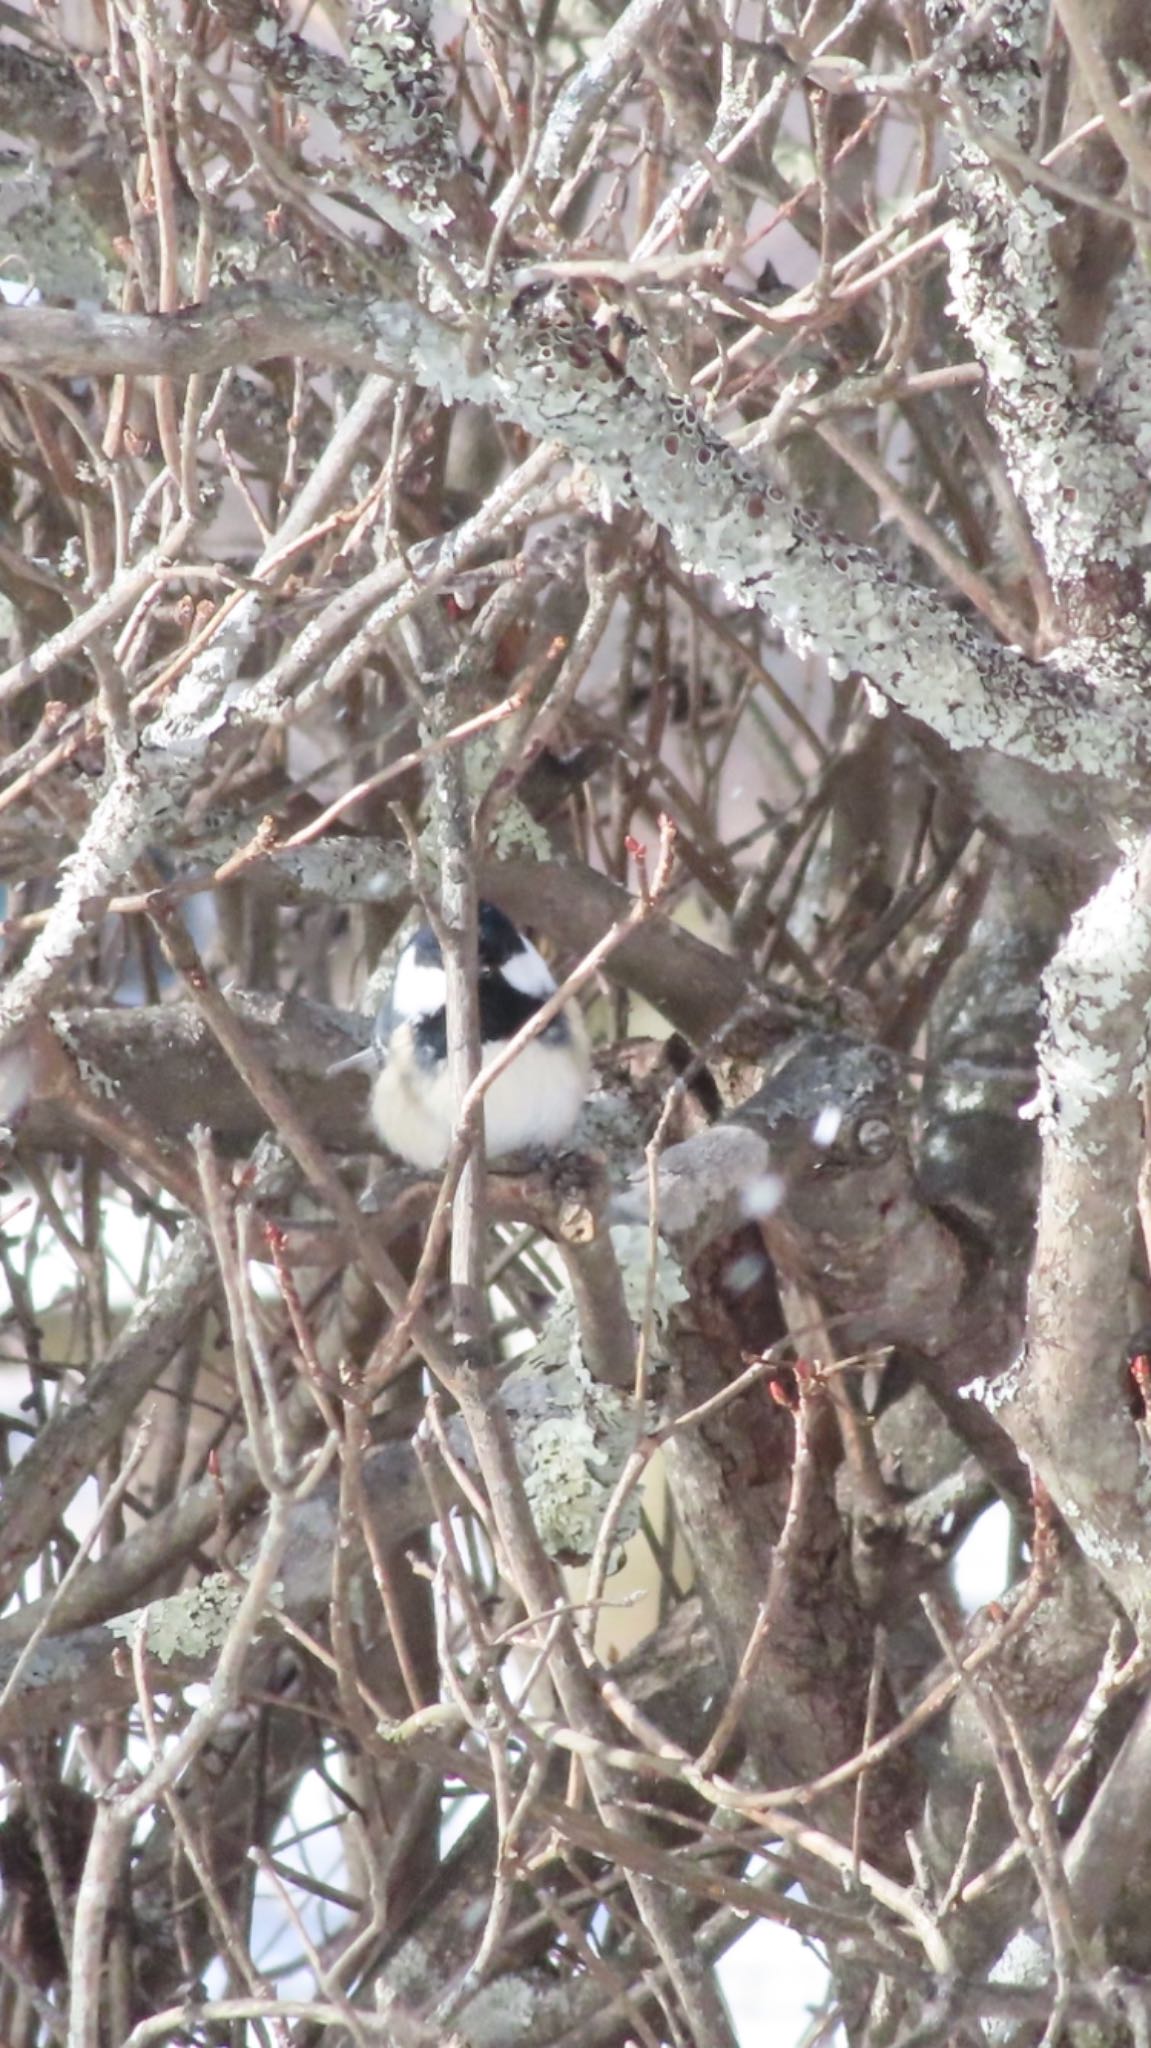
(1083, 493)
(73, 1442)
(1065, 1404)
(727, 520)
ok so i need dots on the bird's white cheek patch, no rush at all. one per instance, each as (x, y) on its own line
(528, 972)
(419, 989)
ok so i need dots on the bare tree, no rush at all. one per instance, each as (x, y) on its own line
(681, 473)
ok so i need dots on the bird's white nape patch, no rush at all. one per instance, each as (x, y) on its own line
(528, 972)
(419, 989)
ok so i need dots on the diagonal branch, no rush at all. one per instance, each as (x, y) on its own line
(726, 518)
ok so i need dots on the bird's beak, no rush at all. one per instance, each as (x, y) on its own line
(365, 1062)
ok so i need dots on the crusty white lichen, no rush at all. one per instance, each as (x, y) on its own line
(572, 1433)
(552, 374)
(94, 1079)
(341, 868)
(997, 1393)
(1097, 988)
(633, 1250)
(188, 1625)
(507, 2009)
(387, 101)
(512, 829)
(1123, 392)
(116, 835)
(47, 237)
(1111, 1553)
(499, 2012)
(1083, 494)
(742, 526)
(572, 1436)
(612, 1123)
(998, 68)
(1025, 1962)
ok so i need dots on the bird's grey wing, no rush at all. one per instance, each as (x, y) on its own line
(372, 1057)
(382, 1029)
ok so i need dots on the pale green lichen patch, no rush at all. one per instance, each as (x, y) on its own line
(1080, 488)
(190, 1624)
(47, 238)
(740, 525)
(1097, 986)
(572, 1435)
(513, 829)
(394, 69)
(633, 1249)
(93, 1078)
(1123, 392)
(499, 2012)
(1082, 492)
(612, 1123)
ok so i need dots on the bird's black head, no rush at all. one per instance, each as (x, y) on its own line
(498, 937)
(499, 941)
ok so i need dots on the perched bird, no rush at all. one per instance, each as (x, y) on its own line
(532, 1105)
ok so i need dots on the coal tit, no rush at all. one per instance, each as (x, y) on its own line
(534, 1103)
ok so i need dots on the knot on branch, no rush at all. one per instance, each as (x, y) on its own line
(837, 1100)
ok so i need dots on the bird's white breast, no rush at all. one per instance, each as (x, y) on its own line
(534, 1103)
